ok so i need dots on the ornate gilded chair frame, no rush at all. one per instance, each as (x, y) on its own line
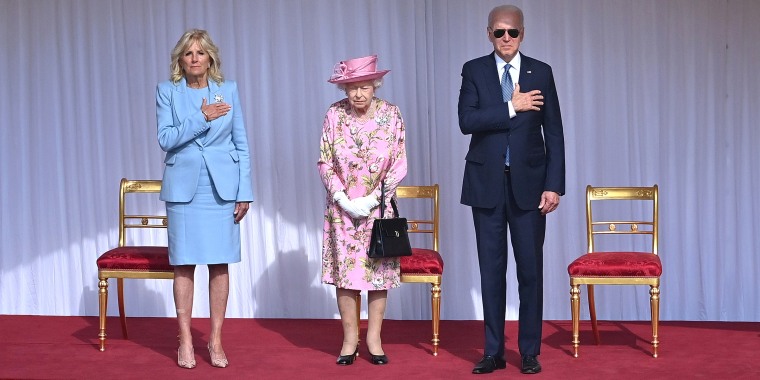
(426, 226)
(128, 222)
(594, 194)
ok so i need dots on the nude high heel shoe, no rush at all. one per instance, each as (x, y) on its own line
(219, 361)
(189, 364)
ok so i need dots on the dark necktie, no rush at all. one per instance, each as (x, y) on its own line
(506, 91)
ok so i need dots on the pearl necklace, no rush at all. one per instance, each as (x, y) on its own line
(370, 114)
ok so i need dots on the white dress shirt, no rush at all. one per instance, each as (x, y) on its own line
(514, 73)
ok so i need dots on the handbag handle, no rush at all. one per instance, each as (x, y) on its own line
(382, 202)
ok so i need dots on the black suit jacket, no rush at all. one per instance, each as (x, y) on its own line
(535, 138)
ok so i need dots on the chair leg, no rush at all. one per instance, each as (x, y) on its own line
(575, 311)
(654, 300)
(103, 305)
(435, 299)
(122, 314)
(358, 316)
(592, 313)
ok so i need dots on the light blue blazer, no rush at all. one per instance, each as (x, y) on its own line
(224, 148)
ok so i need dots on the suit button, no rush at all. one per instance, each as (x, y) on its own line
(200, 148)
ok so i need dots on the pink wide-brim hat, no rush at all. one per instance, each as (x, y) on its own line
(356, 70)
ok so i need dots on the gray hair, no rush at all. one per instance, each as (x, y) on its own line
(506, 9)
(376, 83)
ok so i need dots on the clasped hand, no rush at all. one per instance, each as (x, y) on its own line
(215, 110)
(527, 101)
(357, 208)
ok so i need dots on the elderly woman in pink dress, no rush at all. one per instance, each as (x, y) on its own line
(362, 146)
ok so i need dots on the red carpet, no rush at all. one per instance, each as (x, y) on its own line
(66, 347)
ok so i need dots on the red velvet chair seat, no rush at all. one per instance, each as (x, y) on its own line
(136, 258)
(616, 264)
(422, 261)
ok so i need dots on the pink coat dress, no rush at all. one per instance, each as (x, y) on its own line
(354, 158)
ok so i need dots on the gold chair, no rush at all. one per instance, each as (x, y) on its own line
(424, 265)
(619, 267)
(129, 261)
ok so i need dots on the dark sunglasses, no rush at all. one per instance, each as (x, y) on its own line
(499, 33)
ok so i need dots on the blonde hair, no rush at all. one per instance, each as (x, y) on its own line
(204, 40)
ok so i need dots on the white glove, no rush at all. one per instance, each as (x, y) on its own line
(349, 206)
(366, 203)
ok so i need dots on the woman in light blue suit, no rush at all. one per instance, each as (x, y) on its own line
(206, 183)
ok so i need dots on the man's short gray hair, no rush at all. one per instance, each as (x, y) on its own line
(506, 9)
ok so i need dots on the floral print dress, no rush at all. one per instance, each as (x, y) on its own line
(355, 157)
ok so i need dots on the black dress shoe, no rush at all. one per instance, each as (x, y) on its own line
(347, 359)
(489, 364)
(378, 359)
(530, 365)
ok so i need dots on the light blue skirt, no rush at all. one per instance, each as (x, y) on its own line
(203, 231)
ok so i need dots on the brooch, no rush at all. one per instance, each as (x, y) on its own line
(218, 98)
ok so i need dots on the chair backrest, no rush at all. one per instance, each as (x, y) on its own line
(422, 226)
(645, 225)
(128, 221)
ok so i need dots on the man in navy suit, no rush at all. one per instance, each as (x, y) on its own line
(514, 176)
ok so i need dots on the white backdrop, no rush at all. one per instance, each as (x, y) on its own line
(651, 91)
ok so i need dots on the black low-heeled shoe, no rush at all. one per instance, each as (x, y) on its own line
(378, 359)
(347, 359)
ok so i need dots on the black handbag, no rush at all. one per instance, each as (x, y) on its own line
(389, 236)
